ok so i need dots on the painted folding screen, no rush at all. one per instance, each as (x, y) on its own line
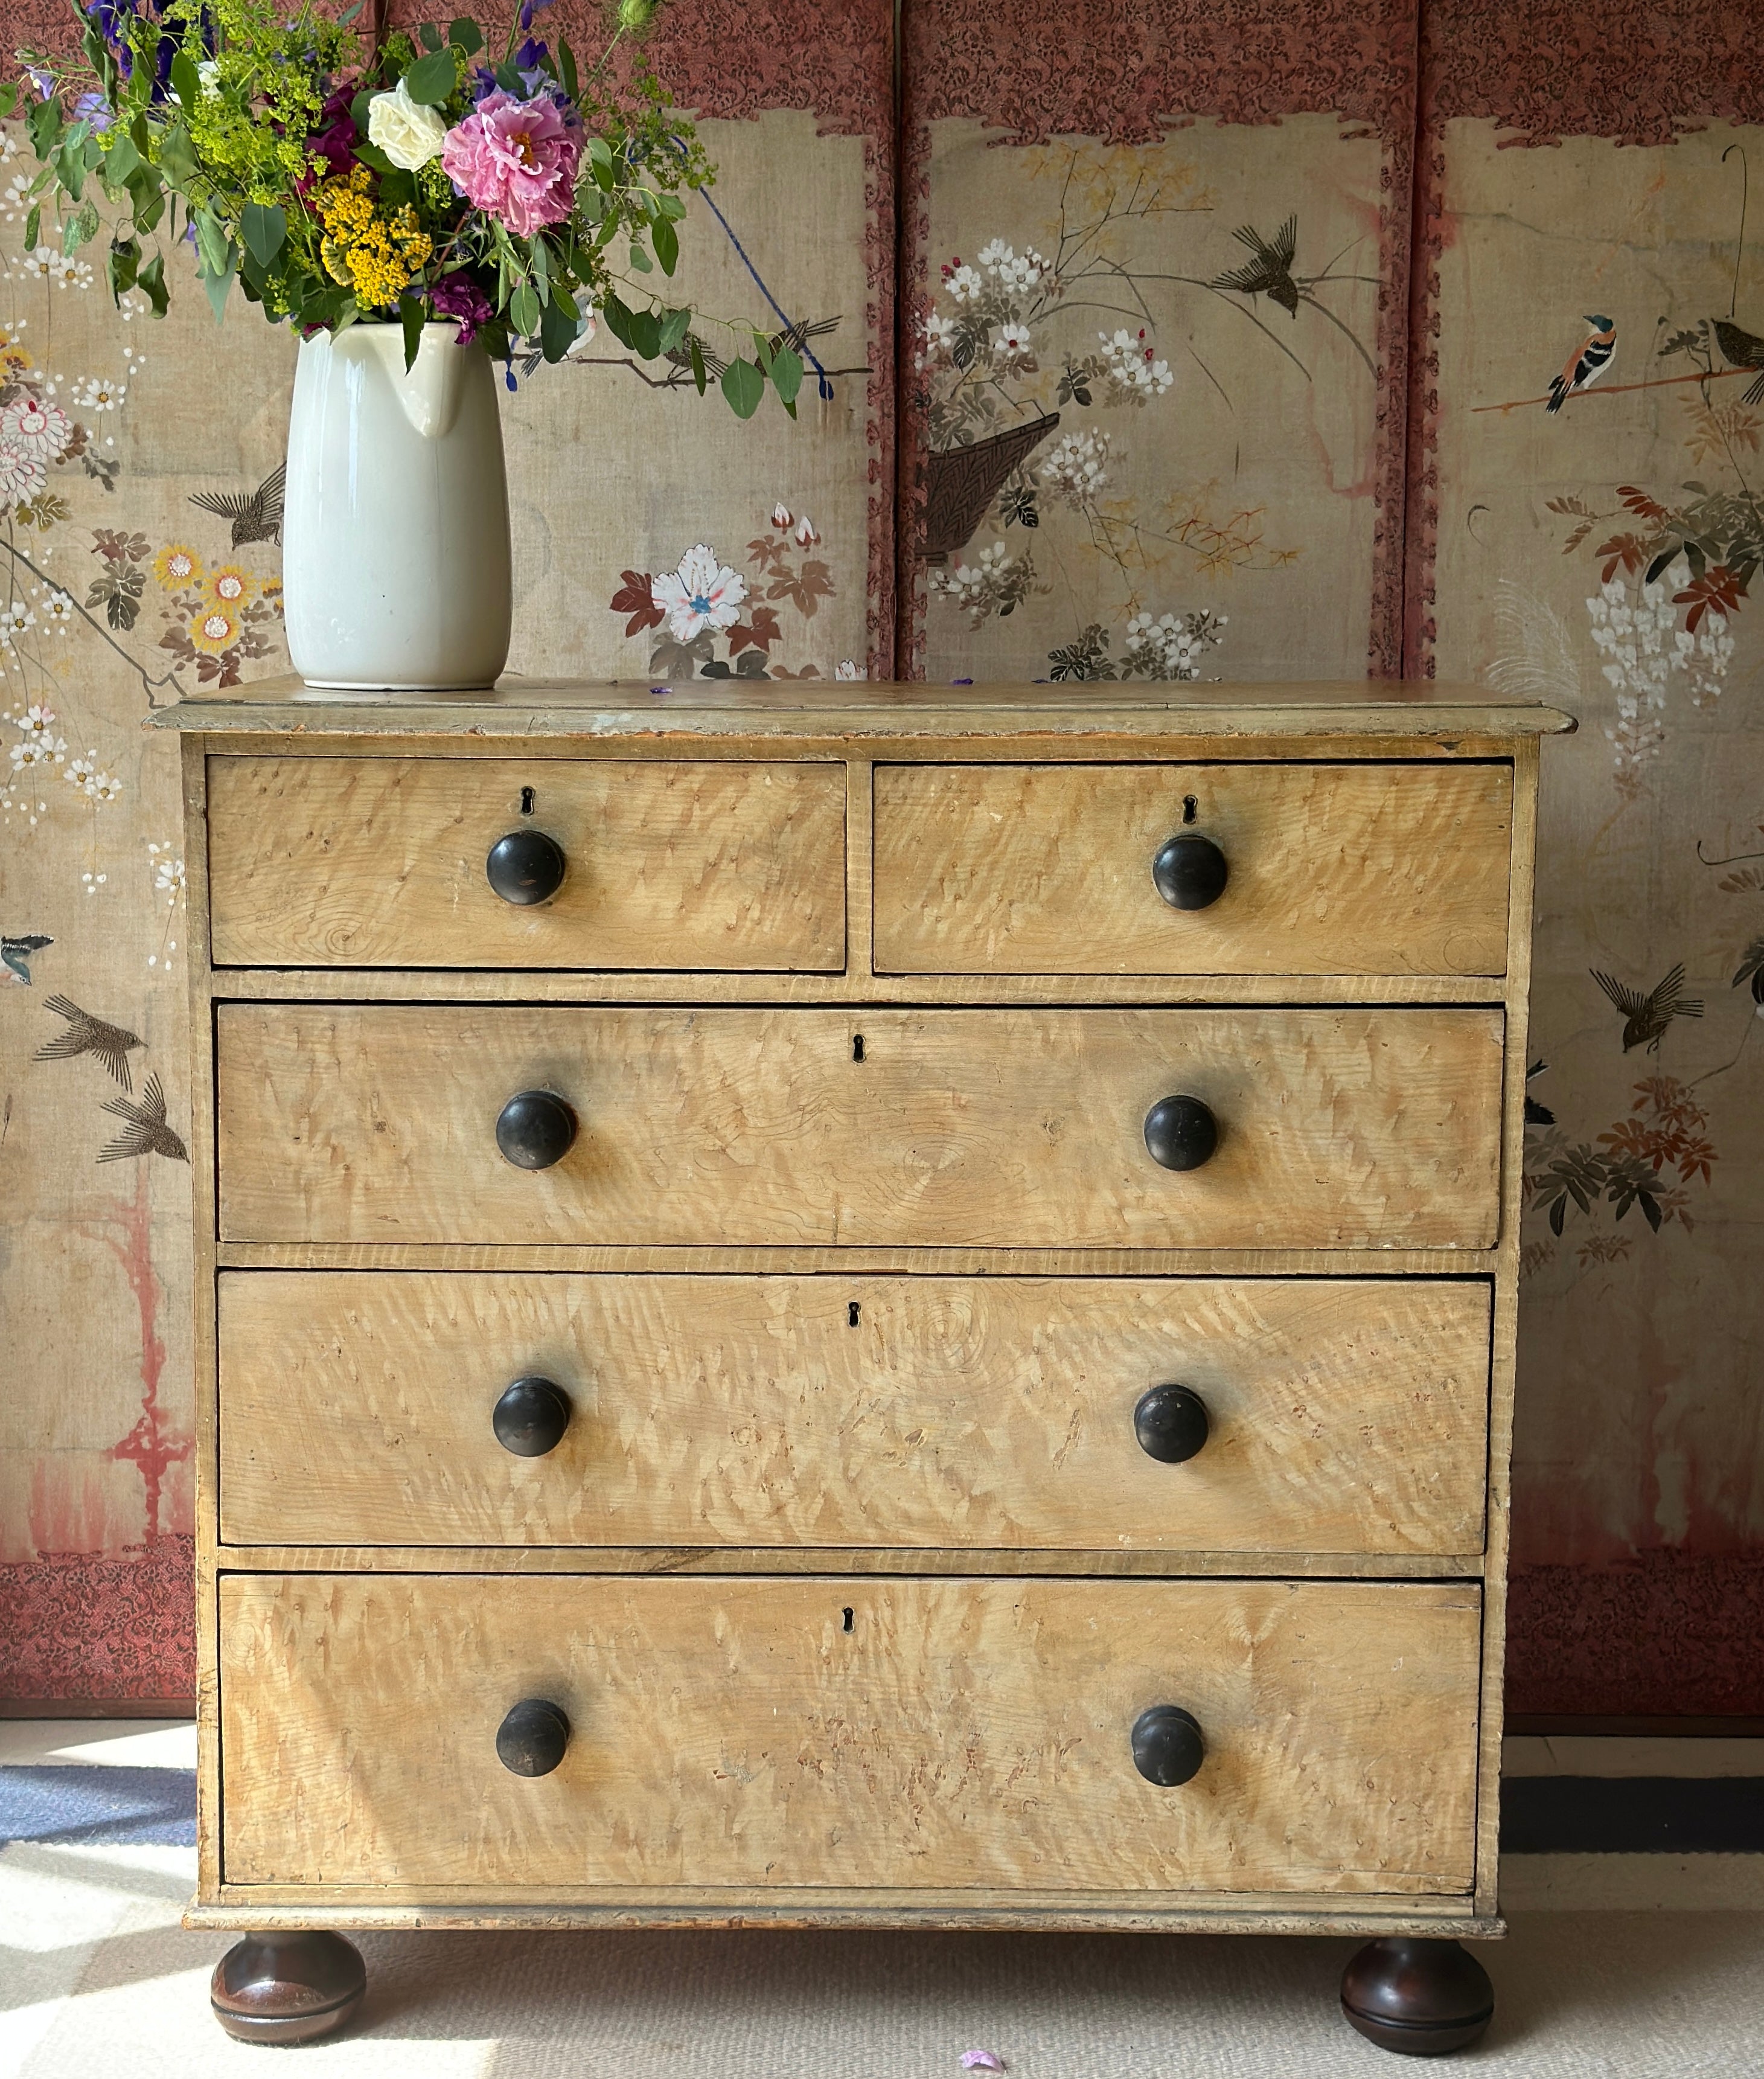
(1586, 238)
(105, 567)
(1154, 282)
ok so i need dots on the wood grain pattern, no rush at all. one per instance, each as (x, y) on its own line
(357, 862)
(1005, 1128)
(1335, 869)
(962, 1733)
(1346, 1415)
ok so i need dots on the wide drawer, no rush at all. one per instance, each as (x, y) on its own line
(381, 861)
(984, 1128)
(1331, 869)
(1340, 1415)
(854, 1732)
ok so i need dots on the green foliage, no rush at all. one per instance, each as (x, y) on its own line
(244, 125)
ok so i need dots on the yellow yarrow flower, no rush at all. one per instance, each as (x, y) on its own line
(376, 256)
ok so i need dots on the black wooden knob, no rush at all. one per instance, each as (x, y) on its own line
(1167, 1748)
(1181, 1133)
(1170, 1423)
(535, 1129)
(531, 1740)
(526, 867)
(531, 1417)
(1190, 872)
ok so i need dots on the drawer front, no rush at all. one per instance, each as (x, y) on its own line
(993, 1128)
(1331, 869)
(1341, 1415)
(381, 861)
(960, 1733)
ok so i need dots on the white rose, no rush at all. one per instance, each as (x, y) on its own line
(408, 133)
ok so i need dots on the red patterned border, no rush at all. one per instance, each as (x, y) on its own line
(1543, 70)
(77, 1624)
(1670, 1636)
(1044, 69)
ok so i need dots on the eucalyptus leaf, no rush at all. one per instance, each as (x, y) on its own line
(645, 334)
(431, 79)
(641, 260)
(673, 325)
(186, 82)
(70, 170)
(151, 282)
(213, 247)
(697, 354)
(264, 230)
(411, 317)
(557, 328)
(465, 37)
(618, 318)
(80, 229)
(787, 375)
(431, 36)
(599, 151)
(663, 237)
(523, 308)
(33, 228)
(121, 161)
(371, 155)
(743, 385)
(566, 69)
(178, 157)
(218, 286)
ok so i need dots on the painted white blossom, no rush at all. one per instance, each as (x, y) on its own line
(1014, 344)
(1076, 470)
(939, 333)
(846, 668)
(49, 263)
(15, 620)
(36, 428)
(105, 788)
(782, 518)
(58, 611)
(1171, 645)
(965, 285)
(805, 536)
(702, 593)
(1132, 367)
(22, 473)
(81, 773)
(97, 393)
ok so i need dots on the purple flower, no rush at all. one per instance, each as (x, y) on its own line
(530, 8)
(94, 109)
(43, 80)
(112, 18)
(458, 296)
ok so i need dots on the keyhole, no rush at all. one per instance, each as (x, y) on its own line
(857, 1046)
(847, 1621)
(851, 1314)
(526, 800)
(1190, 807)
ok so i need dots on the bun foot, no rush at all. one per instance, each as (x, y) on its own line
(1419, 1996)
(288, 1988)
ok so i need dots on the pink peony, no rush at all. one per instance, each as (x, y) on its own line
(516, 160)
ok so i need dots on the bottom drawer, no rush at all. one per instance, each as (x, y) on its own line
(857, 1733)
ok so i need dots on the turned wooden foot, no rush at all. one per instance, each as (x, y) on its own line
(288, 1988)
(1419, 1996)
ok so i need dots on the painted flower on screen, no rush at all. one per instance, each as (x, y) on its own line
(702, 593)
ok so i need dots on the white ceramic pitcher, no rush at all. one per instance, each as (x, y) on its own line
(395, 554)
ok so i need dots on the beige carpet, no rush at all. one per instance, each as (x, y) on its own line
(99, 1981)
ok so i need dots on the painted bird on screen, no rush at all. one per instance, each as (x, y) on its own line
(1584, 365)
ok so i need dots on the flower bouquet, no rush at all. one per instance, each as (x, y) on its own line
(414, 208)
(425, 179)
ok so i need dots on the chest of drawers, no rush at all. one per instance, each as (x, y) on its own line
(826, 1306)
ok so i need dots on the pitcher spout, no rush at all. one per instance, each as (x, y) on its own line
(430, 390)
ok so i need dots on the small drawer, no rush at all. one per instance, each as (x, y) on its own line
(1179, 1415)
(856, 1733)
(1291, 869)
(730, 1127)
(387, 862)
